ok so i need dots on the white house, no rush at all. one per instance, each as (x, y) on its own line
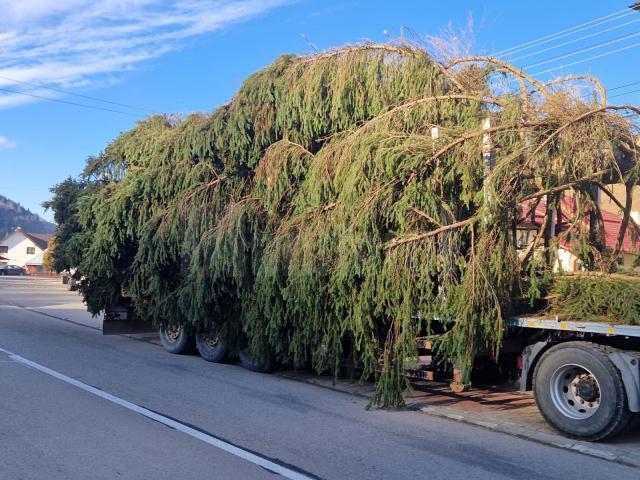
(19, 247)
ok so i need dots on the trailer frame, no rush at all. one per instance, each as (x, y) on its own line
(559, 329)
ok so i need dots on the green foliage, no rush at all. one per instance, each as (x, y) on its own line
(315, 218)
(610, 299)
(69, 240)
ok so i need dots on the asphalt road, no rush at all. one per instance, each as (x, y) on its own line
(77, 405)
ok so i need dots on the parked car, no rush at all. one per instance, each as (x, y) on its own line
(69, 280)
(12, 270)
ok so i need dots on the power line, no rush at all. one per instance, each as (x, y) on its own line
(66, 92)
(623, 86)
(57, 100)
(588, 94)
(585, 49)
(569, 42)
(624, 93)
(591, 58)
(564, 33)
(616, 88)
(588, 59)
(585, 26)
(573, 30)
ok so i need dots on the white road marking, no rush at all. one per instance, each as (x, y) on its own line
(213, 441)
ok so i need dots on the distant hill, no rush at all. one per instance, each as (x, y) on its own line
(14, 215)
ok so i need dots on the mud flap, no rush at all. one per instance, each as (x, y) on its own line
(119, 320)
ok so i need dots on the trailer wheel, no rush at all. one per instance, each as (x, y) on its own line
(177, 340)
(250, 363)
(580, 392)
(210, 347)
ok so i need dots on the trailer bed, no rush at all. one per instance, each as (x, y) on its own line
(562, 324)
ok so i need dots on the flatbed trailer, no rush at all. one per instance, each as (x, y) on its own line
(561, 324)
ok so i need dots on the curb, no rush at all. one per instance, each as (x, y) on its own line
(593, 450)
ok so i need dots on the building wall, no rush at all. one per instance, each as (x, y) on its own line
(571, 263)
(566, 262)
(35, 269)
(17, 254)
(627, 261)
(619, 191)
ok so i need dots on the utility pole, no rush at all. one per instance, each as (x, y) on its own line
(488, 162)
(461, 381)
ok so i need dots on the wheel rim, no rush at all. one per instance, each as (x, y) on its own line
(172, 333)
(575, 392)
(209, 341)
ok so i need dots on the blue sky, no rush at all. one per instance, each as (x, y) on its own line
(184, 56)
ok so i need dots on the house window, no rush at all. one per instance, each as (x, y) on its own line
(31, 250)
(524, 236)
(4, 249)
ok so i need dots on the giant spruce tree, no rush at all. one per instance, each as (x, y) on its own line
(339, 204)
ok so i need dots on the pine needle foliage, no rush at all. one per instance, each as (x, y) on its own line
(317, 217)
(613, 299)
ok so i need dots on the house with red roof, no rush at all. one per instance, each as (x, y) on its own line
(532, 217)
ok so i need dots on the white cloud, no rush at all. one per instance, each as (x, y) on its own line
(77, 43)
(6, 143)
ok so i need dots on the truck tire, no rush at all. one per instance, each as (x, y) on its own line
(210, 347)
(580, 392)
(250, 363)
(176, 340)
